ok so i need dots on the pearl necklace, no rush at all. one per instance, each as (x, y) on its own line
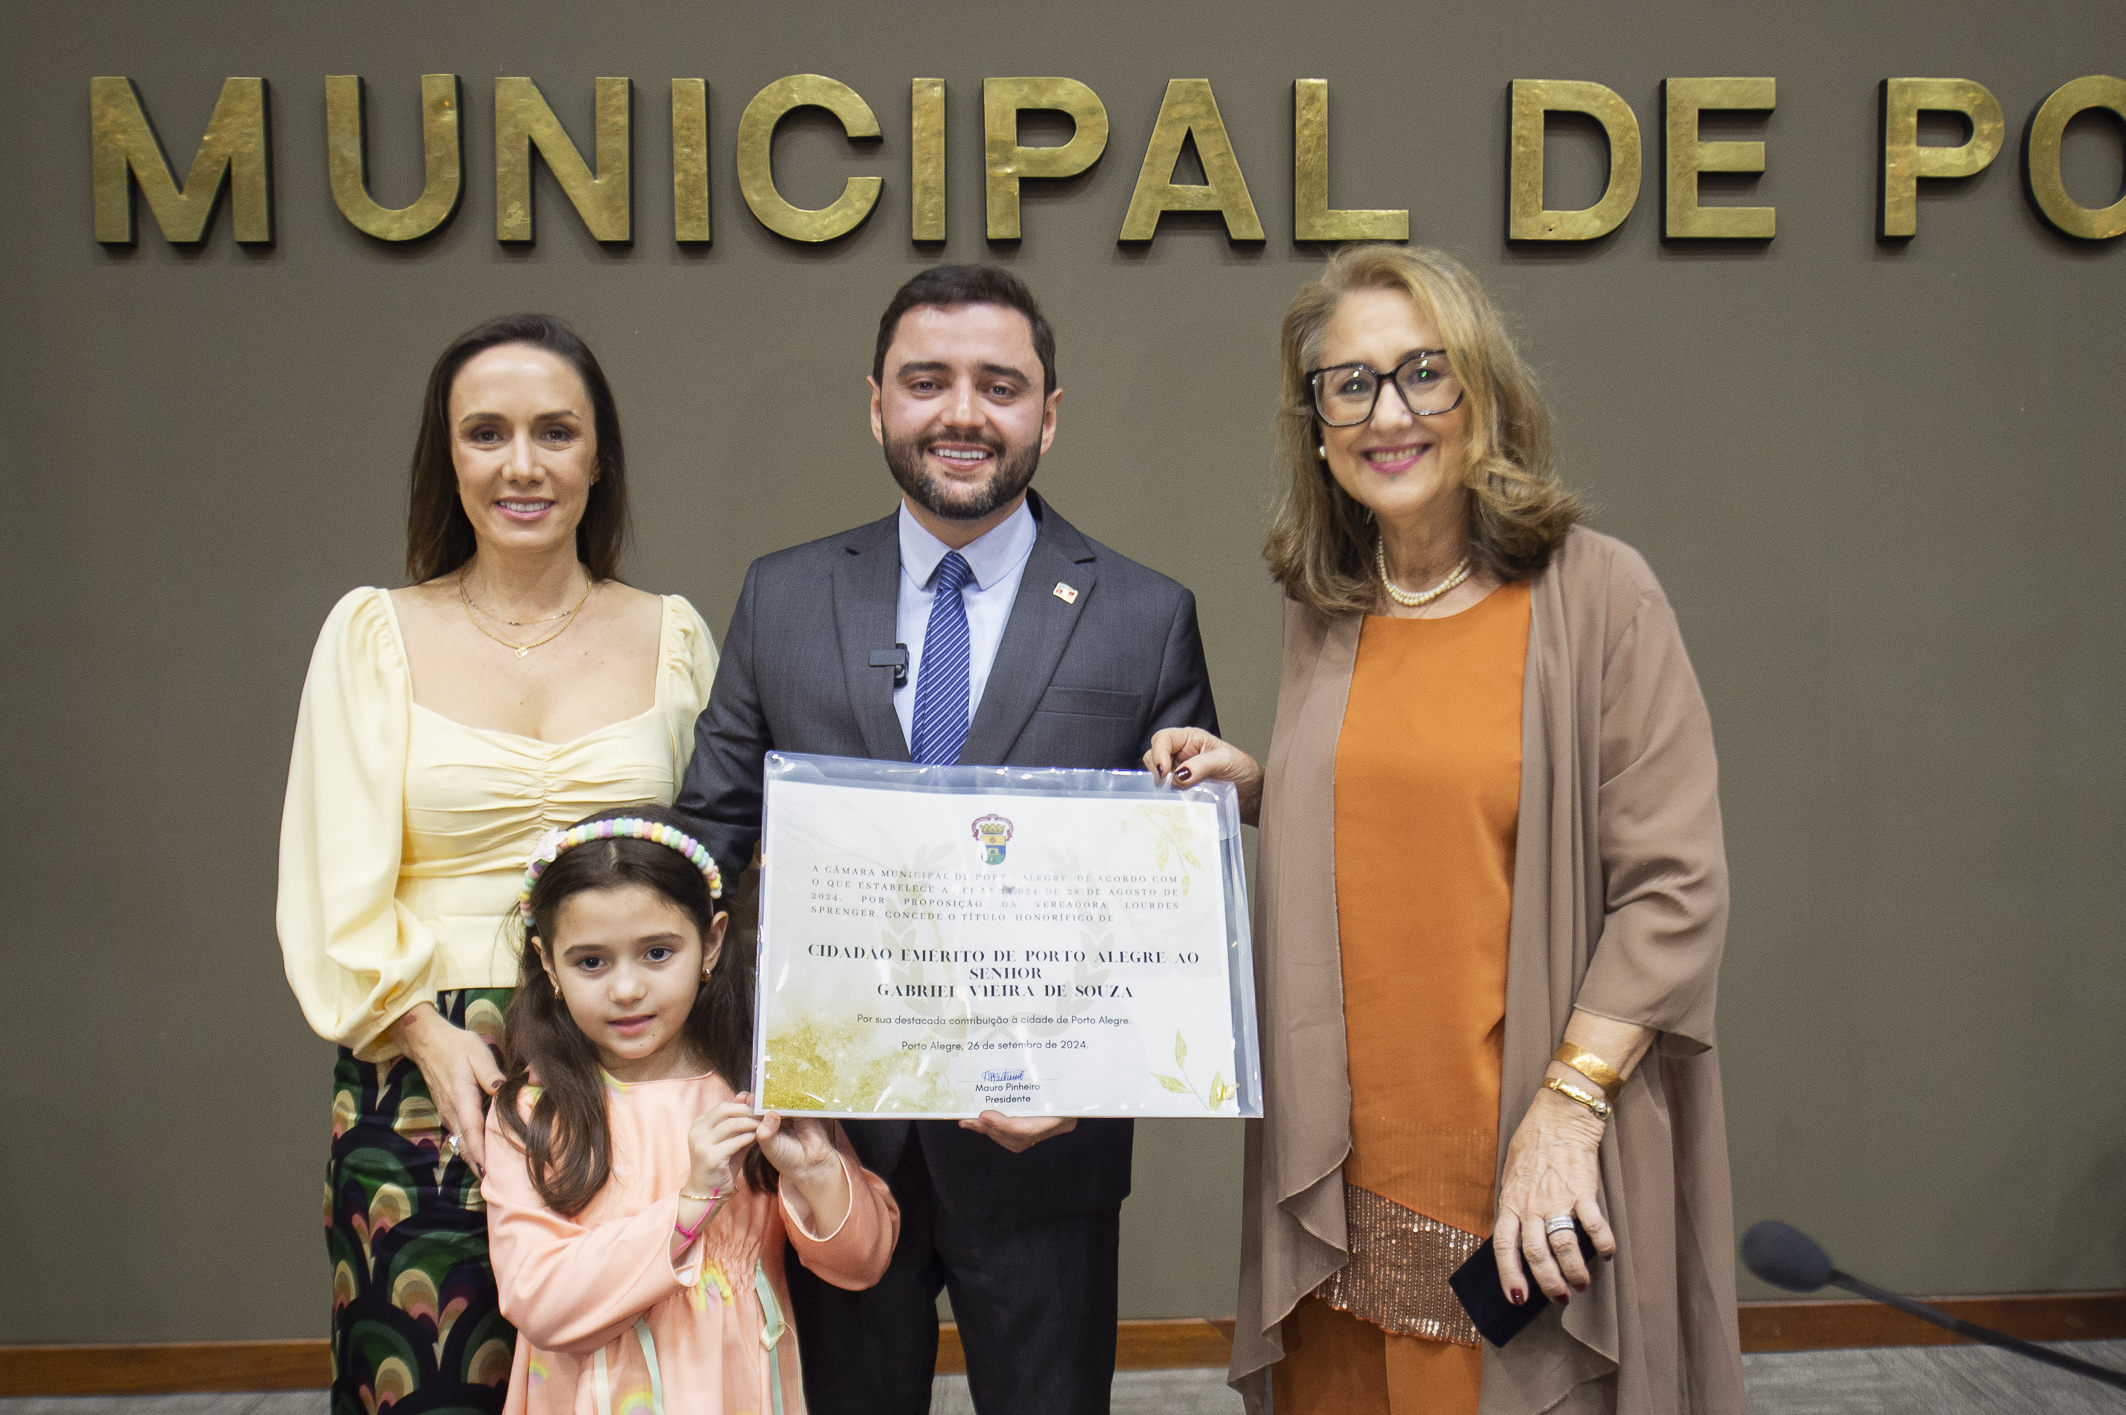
(1404, 597)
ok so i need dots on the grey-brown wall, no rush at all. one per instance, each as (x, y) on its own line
(1882, 486)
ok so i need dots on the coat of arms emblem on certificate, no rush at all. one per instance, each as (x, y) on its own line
(994, 832)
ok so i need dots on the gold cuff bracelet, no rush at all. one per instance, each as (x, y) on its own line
(1593, 1067)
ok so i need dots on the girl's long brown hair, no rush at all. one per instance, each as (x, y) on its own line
(1320, 545)
(568, 1140)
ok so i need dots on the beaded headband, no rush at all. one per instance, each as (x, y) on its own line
(554, 842)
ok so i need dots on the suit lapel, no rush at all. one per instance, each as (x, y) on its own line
(866, 605)
(1034, 637)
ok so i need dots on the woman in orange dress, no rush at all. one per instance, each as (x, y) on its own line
(1493, 897)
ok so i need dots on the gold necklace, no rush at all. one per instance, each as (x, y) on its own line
(1404, 597)
(520, 649)
(516, 623)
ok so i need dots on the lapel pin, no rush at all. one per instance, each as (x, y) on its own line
(1065, 593)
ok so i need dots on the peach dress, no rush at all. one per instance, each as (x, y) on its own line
(1428, 781)
(606, 1320)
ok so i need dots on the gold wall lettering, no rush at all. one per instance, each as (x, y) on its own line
(926, 160)
(124, 151)
(1905, 160)
(523, 120)
(1313, 219)
(690, 160)
(1686, 157)
(2041, 158)
(1190, 111)
(234, 154)
(1527, 219)
(346, 157)
(1006, 164)
(756, 157)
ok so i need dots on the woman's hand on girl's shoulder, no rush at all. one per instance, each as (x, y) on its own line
(1188, 756)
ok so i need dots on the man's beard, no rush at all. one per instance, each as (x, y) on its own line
(953, 501)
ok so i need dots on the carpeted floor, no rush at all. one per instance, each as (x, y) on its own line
(1931, 1380)
(1912, 1380)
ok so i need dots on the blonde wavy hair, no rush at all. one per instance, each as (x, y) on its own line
(1321, 544)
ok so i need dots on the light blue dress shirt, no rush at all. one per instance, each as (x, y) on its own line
(998, 559)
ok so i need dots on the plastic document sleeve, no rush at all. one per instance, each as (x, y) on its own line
(939, 941)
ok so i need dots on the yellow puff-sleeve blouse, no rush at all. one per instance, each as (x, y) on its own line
(405, 833)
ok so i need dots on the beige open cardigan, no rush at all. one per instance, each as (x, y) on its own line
(1619, 907)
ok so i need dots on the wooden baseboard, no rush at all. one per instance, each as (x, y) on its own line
(1822, 1326)
(165, 1368)
(1180, 1343)
(186, 1367)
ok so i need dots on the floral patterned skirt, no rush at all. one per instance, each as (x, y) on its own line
(416, 1326)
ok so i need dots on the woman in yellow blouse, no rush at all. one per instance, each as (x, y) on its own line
(514, 687)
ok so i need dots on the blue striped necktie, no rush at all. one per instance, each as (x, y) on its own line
(941, 678)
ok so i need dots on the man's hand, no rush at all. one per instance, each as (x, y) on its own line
(1020, 1133)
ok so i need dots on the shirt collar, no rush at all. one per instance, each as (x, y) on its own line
(991, 555)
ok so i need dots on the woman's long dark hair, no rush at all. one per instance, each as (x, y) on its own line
(439, 537)
(568, 1143)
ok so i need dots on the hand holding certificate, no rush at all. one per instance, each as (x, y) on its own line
(939, 941)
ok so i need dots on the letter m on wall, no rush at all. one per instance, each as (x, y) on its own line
(234, 153)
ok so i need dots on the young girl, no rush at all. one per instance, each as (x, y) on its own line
(635, 1208)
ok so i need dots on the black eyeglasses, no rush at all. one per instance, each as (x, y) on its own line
(1345, 394)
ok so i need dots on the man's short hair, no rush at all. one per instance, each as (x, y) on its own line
(946, 286)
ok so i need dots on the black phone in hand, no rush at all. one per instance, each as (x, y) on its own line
(1476, 1284)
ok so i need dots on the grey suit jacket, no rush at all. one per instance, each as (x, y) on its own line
(1081, 683)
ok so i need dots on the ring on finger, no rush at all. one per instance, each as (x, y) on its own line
(1558, 1223)
(453, 1139)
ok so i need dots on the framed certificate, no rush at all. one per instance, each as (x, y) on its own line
(937, 941)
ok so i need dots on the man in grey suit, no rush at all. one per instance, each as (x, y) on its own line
(1026, 644)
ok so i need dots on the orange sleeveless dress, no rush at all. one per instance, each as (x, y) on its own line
(1428, 781)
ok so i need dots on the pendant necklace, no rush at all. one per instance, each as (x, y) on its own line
(567, 618)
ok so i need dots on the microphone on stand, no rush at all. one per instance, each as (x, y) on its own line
(1786, 1257)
